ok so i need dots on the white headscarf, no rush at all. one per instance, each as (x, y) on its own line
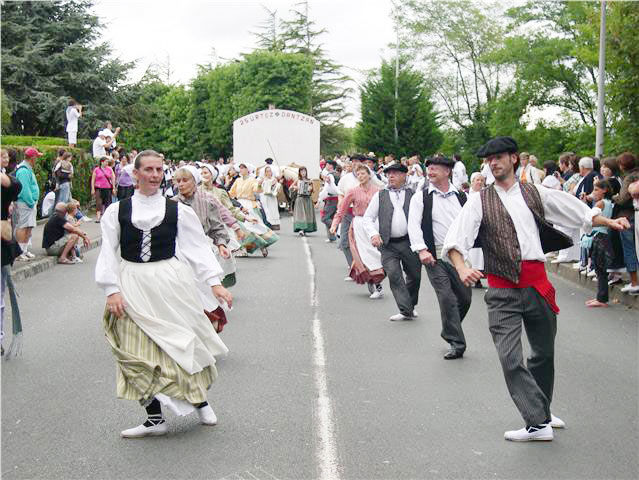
(212, 169)
(193, 171)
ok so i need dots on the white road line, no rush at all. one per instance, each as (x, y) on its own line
(326, 450)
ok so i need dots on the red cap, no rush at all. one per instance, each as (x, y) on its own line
(32, 152)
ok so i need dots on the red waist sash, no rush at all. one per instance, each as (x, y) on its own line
(533, 274)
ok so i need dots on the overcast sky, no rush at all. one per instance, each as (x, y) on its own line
(188, 31)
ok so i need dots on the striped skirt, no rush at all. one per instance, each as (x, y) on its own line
(144, 370)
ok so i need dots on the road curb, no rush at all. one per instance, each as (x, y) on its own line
(565, 270)
(24, 270)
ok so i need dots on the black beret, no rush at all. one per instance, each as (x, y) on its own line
(357, 156)
(441, 160)
(398, 167)
(497, 145)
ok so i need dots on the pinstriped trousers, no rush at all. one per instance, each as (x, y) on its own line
(531, 385)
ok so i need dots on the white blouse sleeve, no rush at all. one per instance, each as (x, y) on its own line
(371, 215)
(415, 215)
(464, 229)
(194, 248)
(107, 268)
(566, 210)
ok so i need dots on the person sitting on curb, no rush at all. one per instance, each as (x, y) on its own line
(60, 236)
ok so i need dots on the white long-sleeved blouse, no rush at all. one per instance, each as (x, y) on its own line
(192, 246)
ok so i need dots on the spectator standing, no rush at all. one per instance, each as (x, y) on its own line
(25, 207)
(60, 236)
(529, 173)
(109, 133)
(124, 178)
(630, 173)
(63, 173)
(587, 183)
(459, 172)
(102, 186)
(551, 180)
(74, 112)
(10, 250)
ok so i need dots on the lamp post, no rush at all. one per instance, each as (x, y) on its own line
(599, 141)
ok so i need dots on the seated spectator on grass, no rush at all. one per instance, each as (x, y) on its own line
(60, 236)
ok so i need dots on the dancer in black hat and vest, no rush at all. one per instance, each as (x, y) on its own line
(513, 223)
(430, 216)
(390, 208)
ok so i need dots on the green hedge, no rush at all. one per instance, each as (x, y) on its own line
(83, 164)
(25, 141)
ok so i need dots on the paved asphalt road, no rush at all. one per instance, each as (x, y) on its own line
(396, 409)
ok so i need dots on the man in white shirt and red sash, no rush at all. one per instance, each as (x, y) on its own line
(513, 222)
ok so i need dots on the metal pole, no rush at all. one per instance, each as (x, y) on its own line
(599, 142)
(396, 77)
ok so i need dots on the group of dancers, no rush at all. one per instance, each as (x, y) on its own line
(166, 299)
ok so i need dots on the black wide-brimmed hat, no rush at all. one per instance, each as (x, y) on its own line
(497, 145)
(397, 167)
(441, 160)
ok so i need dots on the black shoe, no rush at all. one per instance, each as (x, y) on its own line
(478, 284)
(453, 353)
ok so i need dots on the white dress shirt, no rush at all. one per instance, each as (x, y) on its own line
(399, 223)
(192, 246)
(446, 208)
(329, 189)
(560, 208)
(488, 174)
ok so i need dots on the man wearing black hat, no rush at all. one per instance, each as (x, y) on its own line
(430, 216)
(513, 223)
(390, 207)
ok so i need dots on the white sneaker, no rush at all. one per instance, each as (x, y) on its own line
(77, 260)
(630, 289)
(23, 258)
(376, 294)
(29, 255)
(398, 317)
(556, 422)
(207, 415)
(530, 434)
(348, 279)
(142, 431)
(415, 314)
(591, 273)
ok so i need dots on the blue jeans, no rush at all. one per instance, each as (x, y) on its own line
(628, 246)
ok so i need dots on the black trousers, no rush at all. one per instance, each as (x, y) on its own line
(397, 259)
(454, 300)
(531, 385)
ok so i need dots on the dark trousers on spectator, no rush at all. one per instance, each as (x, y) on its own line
(454, 301)
(397, 259)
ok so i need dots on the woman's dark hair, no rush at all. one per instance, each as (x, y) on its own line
(611, 163)
(103, 159)
(67, 155)
(574, 163)
(550, 167)
(607, 186)
(61, 151)
(299, 173)
(626, 161)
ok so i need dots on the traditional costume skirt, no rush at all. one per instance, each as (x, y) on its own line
(271, 208)
(367, 260)
(329, 211)
(265, 236)
(304, 214)
(165, 346)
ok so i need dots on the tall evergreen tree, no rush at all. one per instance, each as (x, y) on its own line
(417, 120)
(48, 55)
(329, 88)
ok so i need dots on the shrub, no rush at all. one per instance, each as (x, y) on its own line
(26, 141)
(83, 164)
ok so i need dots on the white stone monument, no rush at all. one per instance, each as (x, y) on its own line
(283, 135)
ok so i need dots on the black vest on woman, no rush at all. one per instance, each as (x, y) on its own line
(134, 243)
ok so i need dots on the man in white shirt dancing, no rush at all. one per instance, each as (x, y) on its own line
(513, 222)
